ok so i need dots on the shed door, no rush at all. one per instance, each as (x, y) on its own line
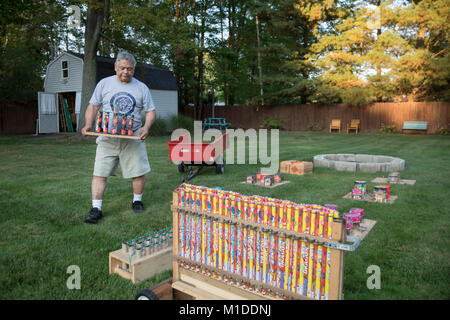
(48, 112)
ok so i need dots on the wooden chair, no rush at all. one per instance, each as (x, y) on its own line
(353, 125)
(335, 125)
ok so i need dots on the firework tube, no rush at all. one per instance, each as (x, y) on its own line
(226, 247)
(105, 122)
(130, 125)
(193, 236)
(198, 242)
(218, 245)
(251, 253)
(295, 251)
(98, 122)
(240, 208)
(240, 250)
(281, 255)
(181, 234)
(321, 223)
(266, 213)
(204, 236)
(323, 273)
(296, 218)
(313, 222)
(318, 272)
(245, 252)
(310, 291)
(123, 130)
(209, 242)
(289, 223)
(265, 257)
(258, 255)
(286, 282)
(327, 274)
(306, 269)
(273, 264)
(115, 123)
(188, 236)
(233, 249)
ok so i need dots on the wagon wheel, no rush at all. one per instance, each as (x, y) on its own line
(146, 294)
(182, 168)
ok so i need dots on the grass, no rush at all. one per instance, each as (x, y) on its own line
(45, 195)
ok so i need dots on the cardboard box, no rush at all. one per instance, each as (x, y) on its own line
(296, 167)
(301, 168)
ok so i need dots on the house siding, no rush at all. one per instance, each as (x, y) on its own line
(54, 81)
(166, 103)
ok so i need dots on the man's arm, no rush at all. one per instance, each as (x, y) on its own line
(149, 119)
(89, 116)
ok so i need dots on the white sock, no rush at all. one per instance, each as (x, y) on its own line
(97, 204)
(137, 197)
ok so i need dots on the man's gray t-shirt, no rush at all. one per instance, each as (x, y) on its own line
(132, 98)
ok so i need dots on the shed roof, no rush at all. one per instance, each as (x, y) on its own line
(154, 77)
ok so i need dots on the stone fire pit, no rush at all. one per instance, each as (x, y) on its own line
(359, 162)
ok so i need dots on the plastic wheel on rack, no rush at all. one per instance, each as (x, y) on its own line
(146, 294)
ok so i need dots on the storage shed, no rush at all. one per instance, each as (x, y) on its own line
(63, 84)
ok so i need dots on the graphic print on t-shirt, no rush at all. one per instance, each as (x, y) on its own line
(125, 101)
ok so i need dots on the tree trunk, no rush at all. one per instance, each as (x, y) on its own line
(94, 22)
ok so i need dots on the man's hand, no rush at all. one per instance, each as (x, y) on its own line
(143, 134)
(85, 129)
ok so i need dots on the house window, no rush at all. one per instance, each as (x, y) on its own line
(65, 69)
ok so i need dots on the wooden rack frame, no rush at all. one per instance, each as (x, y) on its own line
(201, 286)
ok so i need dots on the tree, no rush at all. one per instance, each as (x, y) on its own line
(94, 23)
(404, 53)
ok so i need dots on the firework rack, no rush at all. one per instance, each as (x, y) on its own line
(198, 277)
(143, 257)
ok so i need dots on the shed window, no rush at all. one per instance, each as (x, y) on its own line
(65, 69)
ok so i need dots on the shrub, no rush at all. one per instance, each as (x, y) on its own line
(272, 123)
(443, 131)
(314, 127)
(387, 129)
(181, 122)
(159, 127)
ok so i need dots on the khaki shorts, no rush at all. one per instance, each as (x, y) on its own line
(130, 154)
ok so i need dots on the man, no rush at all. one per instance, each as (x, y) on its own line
(131, 96)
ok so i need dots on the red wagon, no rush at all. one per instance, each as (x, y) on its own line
(186, 154)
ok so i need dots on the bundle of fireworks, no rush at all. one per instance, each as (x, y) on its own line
(394, 177)
(359, 190)
(258, 238)
(353, 218)
(382, 193)
(264, 179)
(114, 123)
(332, 206)
(296, 167)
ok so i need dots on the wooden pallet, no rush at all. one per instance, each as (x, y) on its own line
(262, 184)
(401, 181)
(371, 198)
(109, 135)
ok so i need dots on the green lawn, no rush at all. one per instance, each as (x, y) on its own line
(45, 195)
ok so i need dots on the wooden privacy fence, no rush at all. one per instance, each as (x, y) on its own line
(302, 117)
(16, 117)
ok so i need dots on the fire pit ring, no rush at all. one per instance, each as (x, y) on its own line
(359, 162)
